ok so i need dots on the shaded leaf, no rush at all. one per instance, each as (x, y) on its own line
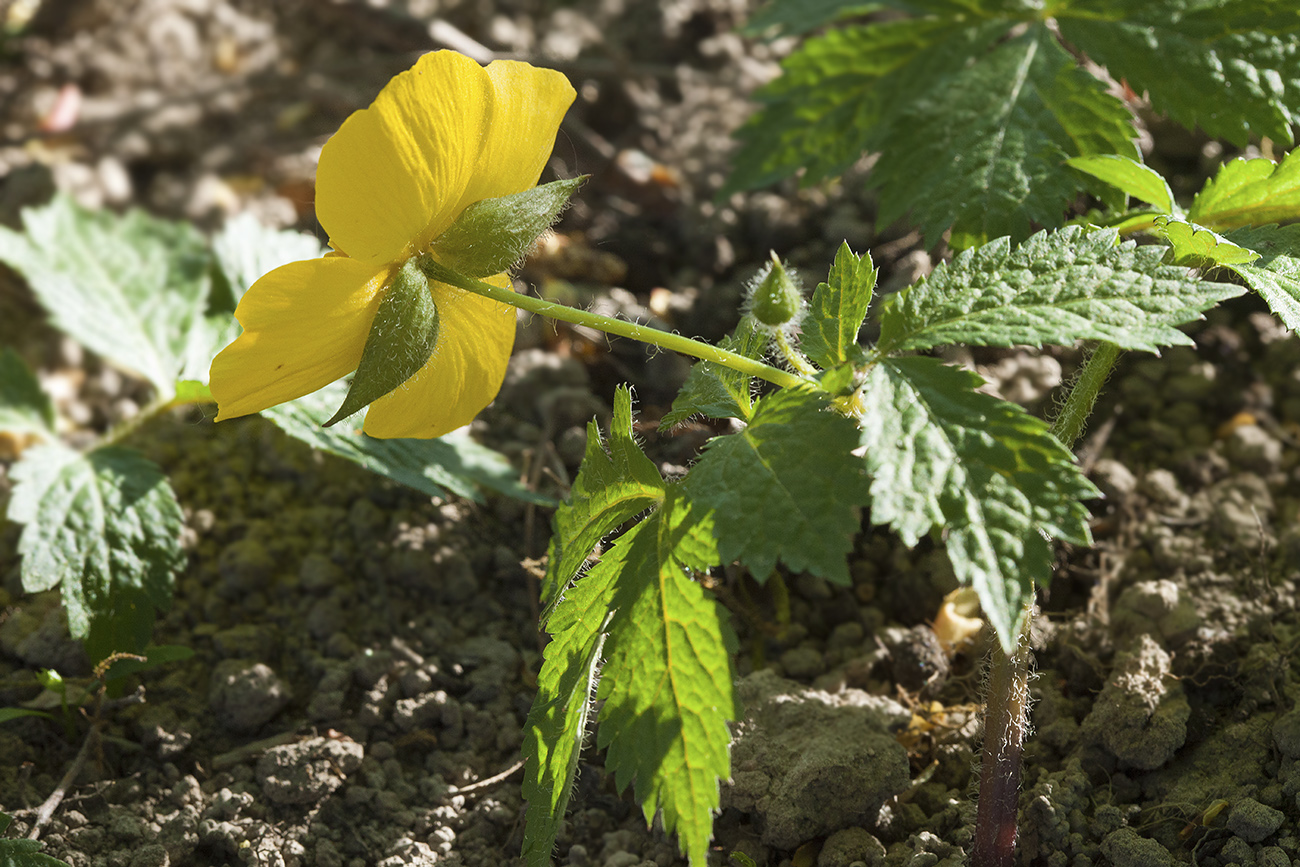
(24, 407)
(104, 527)
(131, 288)
(819, 116)
(982, 152)
(796, 17)
(1229, 68)
(453, 463)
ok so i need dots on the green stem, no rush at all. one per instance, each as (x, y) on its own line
(695, 348)
(794, 357)
(1078, 405)
(150, 411)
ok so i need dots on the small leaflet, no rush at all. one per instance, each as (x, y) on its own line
(830, 330)
(718, 391)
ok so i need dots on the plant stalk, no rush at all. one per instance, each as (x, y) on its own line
(1006, 714)
(677, 343)
(1069, 424)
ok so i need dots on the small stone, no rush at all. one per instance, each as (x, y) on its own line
(623, 859)
(151, 855)
(850, 846)
(247, 641)
(244, 566)
(1252, 821)
(1142, 712)
(1272, 856)
(1286, 734)
(246, 696)
(307, 771)
(1253, 448)
(578, 856)
(802, 662)
(318, 574)
(1125, 848)
(1161, 487)
(1114, 479)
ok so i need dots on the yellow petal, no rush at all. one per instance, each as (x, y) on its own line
(527, 107)
(393, 171)
(440, 136)
(475, 335)
(305, 325)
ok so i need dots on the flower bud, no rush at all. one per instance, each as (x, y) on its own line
(776, 299)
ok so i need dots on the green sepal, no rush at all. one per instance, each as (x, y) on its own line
(776, 300)
(401, 341)
(493, 235)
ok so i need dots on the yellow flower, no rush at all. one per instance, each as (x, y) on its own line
(441, 136)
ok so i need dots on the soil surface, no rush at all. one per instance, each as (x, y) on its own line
(365, 657)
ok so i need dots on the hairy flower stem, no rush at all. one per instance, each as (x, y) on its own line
(1083, 396)
(1006, 712)
(695, 348)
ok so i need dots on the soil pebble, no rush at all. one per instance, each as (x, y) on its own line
(810, 763)
(245, 696)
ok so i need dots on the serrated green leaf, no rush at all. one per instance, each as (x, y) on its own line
(557, 722)
(796, 17)
(718, 391)
(786, 487)
(1198, 246)
(1230, 68)
(24, 407)
(1057, 287)
(23, 853)
(1130, 176)
(992, 476)
(105, 528)
(1275, 275)
(1250, 192)
(819, 115)
(615, 483)
(830, 331)
(132, 288)
(453, 463)
(982, 152)
(667, 681)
